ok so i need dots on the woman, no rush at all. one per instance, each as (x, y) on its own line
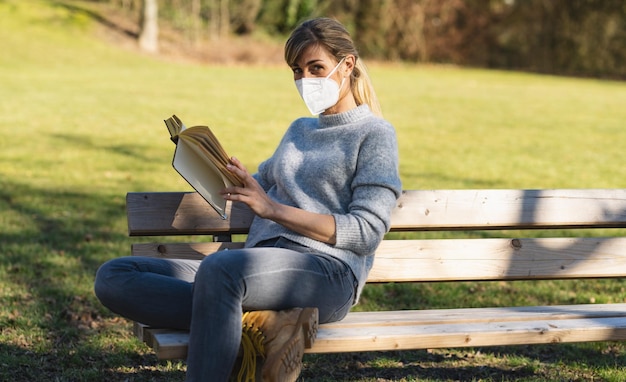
(322, 203)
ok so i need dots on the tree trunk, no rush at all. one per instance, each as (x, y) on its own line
(196, 21)
(224, 19)
(149, 34)
(214, 19)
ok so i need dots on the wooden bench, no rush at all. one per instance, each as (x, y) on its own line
(513, 257)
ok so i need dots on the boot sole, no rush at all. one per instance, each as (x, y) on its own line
(287, 364)
(310, 324)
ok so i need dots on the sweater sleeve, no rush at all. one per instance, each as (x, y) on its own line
(261, 176)
(375, 189)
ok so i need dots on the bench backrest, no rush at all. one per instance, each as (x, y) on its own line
(508, 258)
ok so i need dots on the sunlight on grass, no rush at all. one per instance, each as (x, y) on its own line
(474, 128)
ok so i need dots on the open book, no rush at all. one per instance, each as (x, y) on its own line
(200, 159)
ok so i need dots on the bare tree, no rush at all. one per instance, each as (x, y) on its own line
(149, 26)
(196, 20)
(224, 18)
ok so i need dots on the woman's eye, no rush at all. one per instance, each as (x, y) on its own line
(317, 69)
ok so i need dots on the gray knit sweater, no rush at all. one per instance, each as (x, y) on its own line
(342, 164)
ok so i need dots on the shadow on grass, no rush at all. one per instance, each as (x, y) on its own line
(408, 365)
(23, 365)
(111, 24)
(133, 151)
(511, 363)
(51, 325)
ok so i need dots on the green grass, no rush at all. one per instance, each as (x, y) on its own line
(82, 125)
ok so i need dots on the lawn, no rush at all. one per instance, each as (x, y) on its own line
(82, 124)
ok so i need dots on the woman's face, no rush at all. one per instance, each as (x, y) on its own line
(316, 61)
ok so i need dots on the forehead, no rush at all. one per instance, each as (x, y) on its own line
(314, 53)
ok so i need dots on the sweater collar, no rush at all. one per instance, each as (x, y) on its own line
(353, 115)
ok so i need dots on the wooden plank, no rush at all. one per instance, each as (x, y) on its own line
(499, 259)
(444, 328)
(465, 259)
(477, 315)
(140, 331)
(503, 209)
(493, 333)
(181, 250)
(179, 213)
(169, 344)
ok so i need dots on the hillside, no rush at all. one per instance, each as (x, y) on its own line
(121, 28)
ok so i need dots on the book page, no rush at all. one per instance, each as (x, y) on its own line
(201, 174)
(175, 126)
(204, 139)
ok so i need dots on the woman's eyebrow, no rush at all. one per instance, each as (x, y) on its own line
(314, 61)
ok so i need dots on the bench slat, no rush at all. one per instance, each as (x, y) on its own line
(191, 251)
(465, 259)
(180, 213)
(469, 335)
(473, 315)
(504, 209)
(499, 259)
(446, 328)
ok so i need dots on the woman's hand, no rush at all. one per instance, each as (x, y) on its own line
(251, 193)
(316, 226)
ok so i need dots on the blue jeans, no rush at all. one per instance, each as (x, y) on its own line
(208, 297)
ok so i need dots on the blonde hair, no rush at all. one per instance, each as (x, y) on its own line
(333, 36)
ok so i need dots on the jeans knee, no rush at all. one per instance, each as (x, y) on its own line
(106, 290)
(210, 267)
(215, 273)
(100, 285)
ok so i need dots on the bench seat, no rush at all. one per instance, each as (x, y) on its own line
(443, 328)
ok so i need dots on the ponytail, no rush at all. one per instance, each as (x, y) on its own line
(363, 89)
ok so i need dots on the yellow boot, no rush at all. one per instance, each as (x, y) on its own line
(279, 337)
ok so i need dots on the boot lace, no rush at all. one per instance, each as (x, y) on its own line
(252, 346)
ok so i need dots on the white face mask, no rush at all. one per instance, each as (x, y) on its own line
(320, 93)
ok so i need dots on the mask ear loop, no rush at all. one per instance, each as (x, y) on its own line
(342, 81)
(335, 68)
